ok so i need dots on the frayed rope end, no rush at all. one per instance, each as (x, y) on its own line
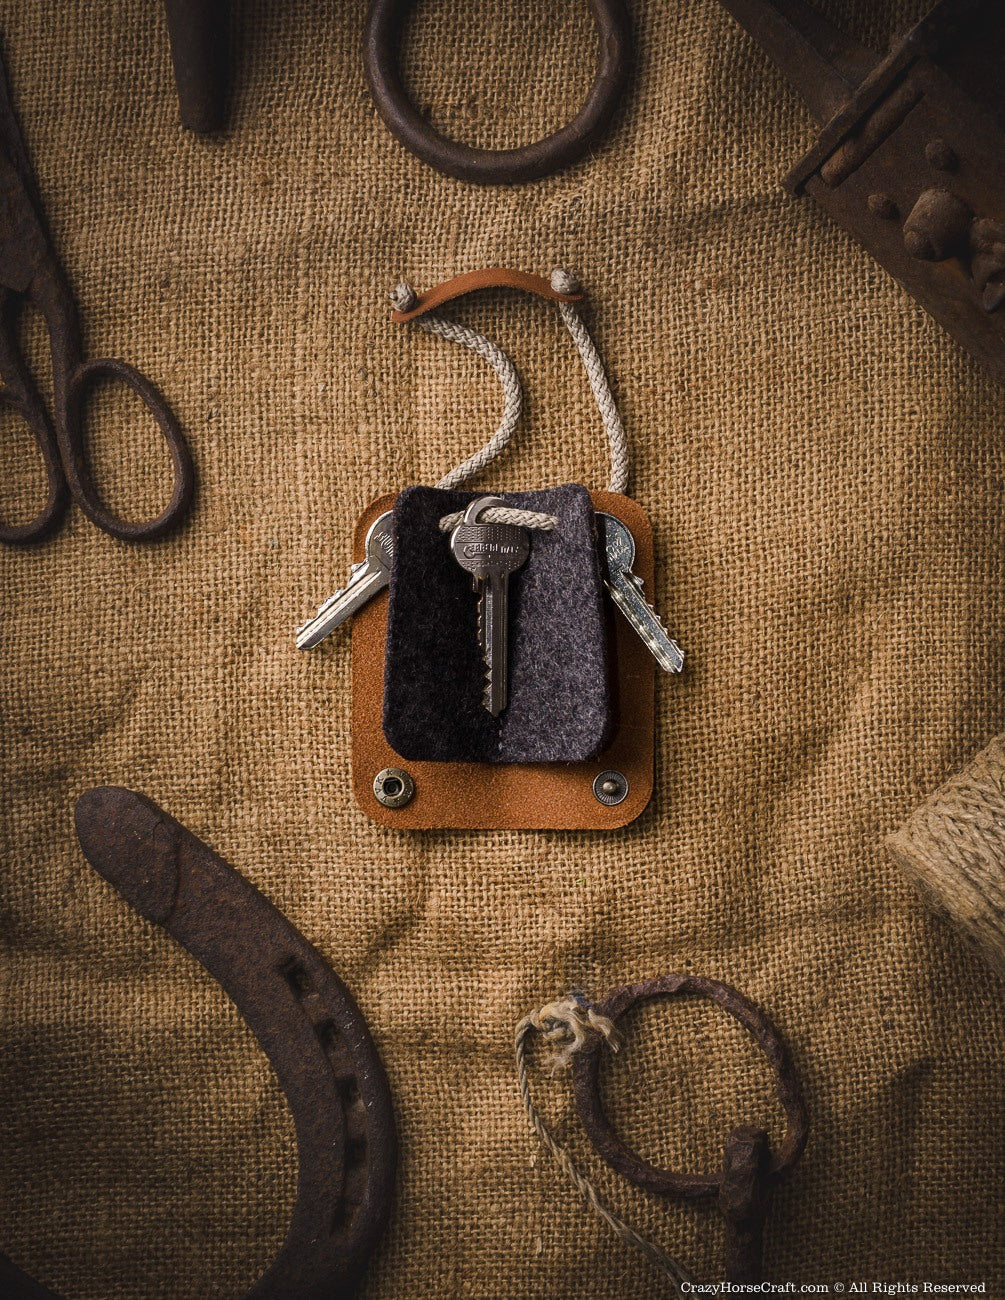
(567, 1026)
(403, 297)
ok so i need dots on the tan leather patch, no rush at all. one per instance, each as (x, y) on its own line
(509, 796)
(494, 277)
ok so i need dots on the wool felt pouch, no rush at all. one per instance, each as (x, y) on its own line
(559, 707)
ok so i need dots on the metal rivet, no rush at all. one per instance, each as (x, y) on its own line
(882, 206)
(393, 787)
(611, 788)
(941, 155)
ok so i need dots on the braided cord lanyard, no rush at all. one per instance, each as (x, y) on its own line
(404, 298)
(567, 1025)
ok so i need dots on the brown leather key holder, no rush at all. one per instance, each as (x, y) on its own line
(384, 24)
(563, 737)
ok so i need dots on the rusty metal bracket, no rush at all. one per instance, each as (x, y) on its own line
(750, 1169)
(911, 157)
(302, 1014)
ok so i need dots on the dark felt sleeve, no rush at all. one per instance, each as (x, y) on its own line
(559, 707)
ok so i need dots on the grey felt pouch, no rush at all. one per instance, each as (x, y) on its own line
(559, 707)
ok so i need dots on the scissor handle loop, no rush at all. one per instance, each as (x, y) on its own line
(48, 518)
(77, 467)
(586, 1075)
(384, 23)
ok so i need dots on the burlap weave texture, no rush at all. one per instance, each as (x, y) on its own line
(825, 473)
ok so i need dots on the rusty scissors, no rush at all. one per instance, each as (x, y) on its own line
(30, 273)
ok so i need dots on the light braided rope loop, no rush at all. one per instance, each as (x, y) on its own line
(503, 515)
(564, 282)
(404, 298)
(567, 1025)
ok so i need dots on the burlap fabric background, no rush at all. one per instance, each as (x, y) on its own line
(824, 470)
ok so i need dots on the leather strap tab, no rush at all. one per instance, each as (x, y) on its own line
(492, 277)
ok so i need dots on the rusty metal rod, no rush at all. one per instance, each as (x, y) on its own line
(200, 51)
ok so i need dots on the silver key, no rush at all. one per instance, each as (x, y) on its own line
(490, 553)
(626, 592)
(365, 579)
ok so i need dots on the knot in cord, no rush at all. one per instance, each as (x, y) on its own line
(565, 281)
(567, 1025)
(403, 297)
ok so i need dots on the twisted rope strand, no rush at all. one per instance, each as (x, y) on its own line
(568, 1025)
(504, 515)
(404, 298)
(953, 848)
(564, 282)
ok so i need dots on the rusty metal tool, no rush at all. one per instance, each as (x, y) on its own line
(199, 31)
(31, 274)
(911, 155)
(312, 1031)
(385, 23)
(750, 1168)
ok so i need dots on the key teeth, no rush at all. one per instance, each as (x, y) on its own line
(322, 609)
(332, 600)
(487, 691)
(360, 577)
(656, 617)
(675, 667)
(662, 625)
(649, 640)
(356, 573)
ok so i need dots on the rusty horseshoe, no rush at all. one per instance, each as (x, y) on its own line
(302, 1014)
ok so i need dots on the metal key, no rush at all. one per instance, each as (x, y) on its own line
(366, 578)
(626, 592)
(490, 553)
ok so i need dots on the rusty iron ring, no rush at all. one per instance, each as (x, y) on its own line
(302, 1014)
(586, 1077)
(384, 25)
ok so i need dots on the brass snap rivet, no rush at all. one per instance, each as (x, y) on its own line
(393, 787)
(611, 788)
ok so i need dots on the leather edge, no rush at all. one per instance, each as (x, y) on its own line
(493, 277)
